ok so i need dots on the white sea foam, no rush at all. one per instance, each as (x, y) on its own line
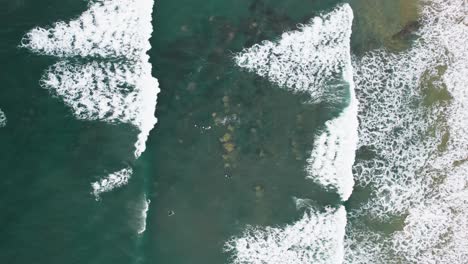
(364, 246)
(436, 231)
(306, 60)
(420, 169)
(112, 181)
(316, 238)
(396, 125)
(393, 126)
(123, 91)
(436, 228)
(3, 119)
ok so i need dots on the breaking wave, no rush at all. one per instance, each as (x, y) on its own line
(334, 151)
(306, 60)
(3, 119)
(143, 215)
(419, 144)
(109, 91)
(316, 238)
(104, 73)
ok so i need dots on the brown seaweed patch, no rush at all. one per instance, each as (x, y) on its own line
(409, 29)
(434, 89)
(388, 23)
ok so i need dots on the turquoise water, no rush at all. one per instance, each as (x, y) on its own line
(229, 148)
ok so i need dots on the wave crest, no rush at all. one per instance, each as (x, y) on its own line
(316, 238)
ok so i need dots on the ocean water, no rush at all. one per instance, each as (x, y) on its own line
(251, 131)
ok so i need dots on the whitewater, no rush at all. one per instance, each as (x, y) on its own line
(318, 237)
(103, 72)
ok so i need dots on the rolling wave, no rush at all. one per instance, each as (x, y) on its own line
(316, 238)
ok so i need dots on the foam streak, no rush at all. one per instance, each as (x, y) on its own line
(3, 119)
(112, 181)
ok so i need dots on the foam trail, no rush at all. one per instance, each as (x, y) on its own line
(3, 119)
(316, 238)
(307, 60)
(395, 123)
(420, 168)
(364, 246)
(110, 30)
(112, 181)
(436, 229)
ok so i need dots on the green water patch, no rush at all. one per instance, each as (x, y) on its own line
(390, 24)
(433, 87)
(230, 148)
(434, 94)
